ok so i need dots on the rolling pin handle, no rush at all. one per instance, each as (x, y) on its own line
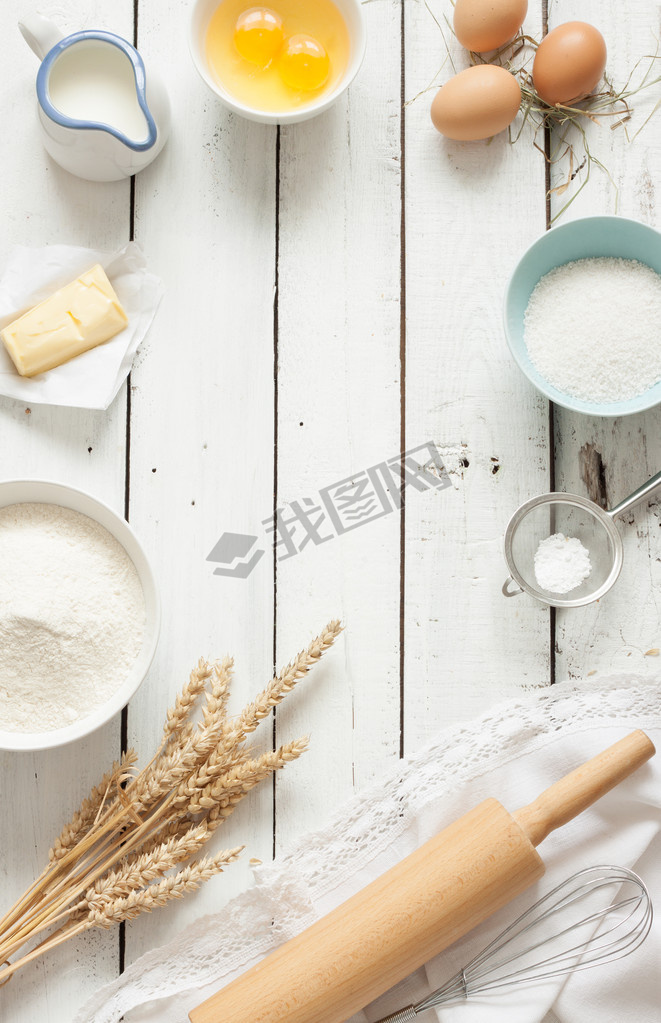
(577, 791)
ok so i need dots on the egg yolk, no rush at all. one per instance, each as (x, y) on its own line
(303, 63)
(258, 35)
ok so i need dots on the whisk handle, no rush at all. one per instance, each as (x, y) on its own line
(403, 1016)
(577, 791)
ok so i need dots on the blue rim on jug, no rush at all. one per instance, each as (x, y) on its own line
(140, 86)
(583, 238)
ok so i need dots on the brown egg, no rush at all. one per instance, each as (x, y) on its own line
(482, 25)
(569, 63)
(477, 103)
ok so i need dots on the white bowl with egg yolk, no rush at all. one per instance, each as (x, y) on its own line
(354, 18)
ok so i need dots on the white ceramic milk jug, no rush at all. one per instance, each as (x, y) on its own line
(102, 117)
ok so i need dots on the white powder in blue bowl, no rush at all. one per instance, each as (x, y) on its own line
(593, 328)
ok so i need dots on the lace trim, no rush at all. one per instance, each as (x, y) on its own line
(281, 903)
(457, 755)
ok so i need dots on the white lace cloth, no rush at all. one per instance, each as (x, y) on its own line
(513, 752)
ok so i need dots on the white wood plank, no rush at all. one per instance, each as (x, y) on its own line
(471, 209)
(339, 414)
(203, 427)
(42, 204)
(615, 634)
(202, 415)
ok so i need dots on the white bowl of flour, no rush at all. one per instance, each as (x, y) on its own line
(583, 315)
(79, 614)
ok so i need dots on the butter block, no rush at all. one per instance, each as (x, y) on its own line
(79, 316)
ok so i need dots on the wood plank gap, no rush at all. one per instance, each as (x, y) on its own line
(127, 457)
(552, 610)
(275, 452)
(547, 137)
(124, 726)
(551, 427)
(402, 374)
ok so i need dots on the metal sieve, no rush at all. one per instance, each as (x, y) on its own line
(576, 517)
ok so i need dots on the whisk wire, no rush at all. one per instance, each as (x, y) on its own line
(578, 950)
(503, 964)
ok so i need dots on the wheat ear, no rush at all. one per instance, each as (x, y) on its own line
(104, 914)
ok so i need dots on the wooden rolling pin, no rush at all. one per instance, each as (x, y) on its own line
(419, 907)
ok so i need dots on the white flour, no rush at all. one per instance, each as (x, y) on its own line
(593, 328)
(561, 563)
(72, 616)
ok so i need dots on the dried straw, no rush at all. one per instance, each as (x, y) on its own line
(121, 854)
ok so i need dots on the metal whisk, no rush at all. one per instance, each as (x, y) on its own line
(596, 916)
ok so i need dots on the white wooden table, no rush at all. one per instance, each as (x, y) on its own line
(390, 249)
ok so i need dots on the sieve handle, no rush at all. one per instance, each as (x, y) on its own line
(647, 488)
(507, 592)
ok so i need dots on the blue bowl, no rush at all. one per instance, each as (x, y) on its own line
(578, 239)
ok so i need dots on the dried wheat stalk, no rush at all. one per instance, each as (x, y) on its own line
(114, 859)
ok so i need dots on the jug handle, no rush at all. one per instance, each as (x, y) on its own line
(40, 33)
